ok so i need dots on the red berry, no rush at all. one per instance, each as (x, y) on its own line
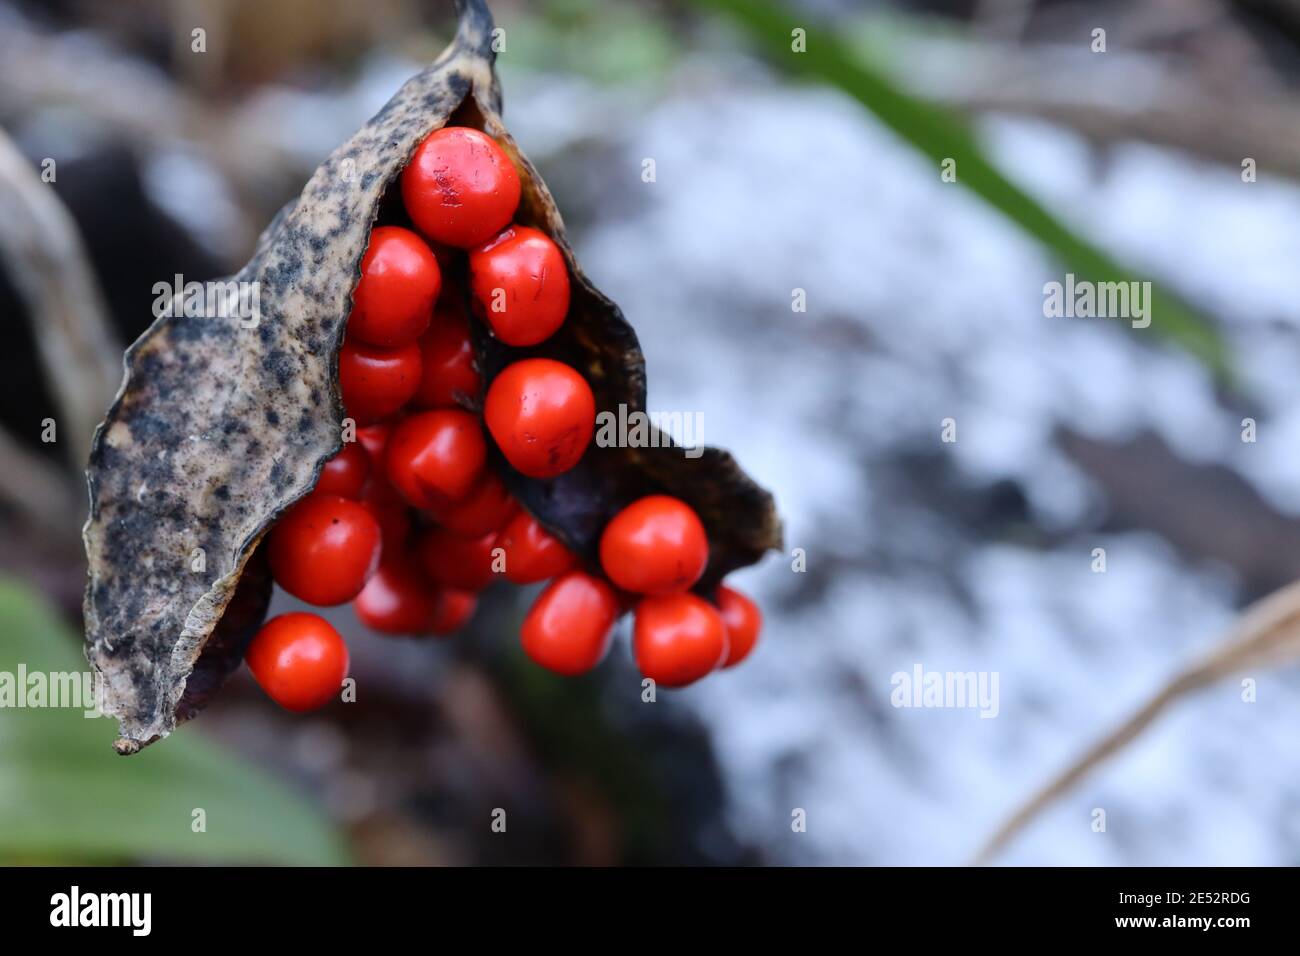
(460, 187)
(454, 608)
(568, 628)
(449, 376)
(398, 599)
(324, 548)
(400, 281)
(743, 620)
(521, 285)
(299, 660)
(486, 508)
(656, 545)
(541, 414)
(377, 382)
(678, 638)
(456, 562)
(374, 439)
(345, 474)
(391, 512)
(530, 553)
(434, 458)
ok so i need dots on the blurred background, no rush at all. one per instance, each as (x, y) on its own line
(776, 171)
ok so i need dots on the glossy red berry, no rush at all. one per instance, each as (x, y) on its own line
(521, 285)
(299, 660)
(656, 545)
(324, 549)
(434, 458)
(532, 554)
(398, 599)
(449, 376)
(743, 620)
(568, 628)
(678, 638)
(400, 282)
(460, 187)
(377, 382)
(486, 508)
(454, 609)
(457, 562)
(345, 474)
(541, 414)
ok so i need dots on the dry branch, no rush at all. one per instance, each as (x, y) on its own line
(42, 253)
(1121, 96)
(1266, 635)
(38, 489)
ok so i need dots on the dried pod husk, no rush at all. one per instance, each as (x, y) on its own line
(223, 423)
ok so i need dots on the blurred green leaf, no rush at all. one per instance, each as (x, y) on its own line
(939, 135)
(65, 796)
(608, 41)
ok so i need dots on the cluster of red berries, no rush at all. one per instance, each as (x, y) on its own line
(408, 522)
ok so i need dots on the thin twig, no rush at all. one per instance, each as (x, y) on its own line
(42, 252)
(1266, 635)
(147, 108)
(39, 490)
(1122, 96)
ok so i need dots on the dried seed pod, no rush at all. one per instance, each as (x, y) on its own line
(221, 423)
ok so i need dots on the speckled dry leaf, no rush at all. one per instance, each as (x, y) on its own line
(220, 426)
